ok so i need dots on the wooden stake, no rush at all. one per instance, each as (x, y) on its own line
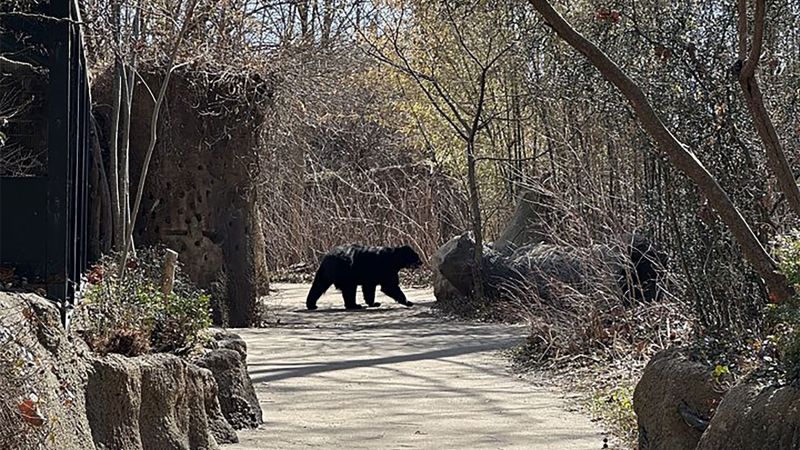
(170, 264)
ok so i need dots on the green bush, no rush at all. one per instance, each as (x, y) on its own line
(132, 316)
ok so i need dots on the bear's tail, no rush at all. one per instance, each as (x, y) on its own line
(318, 287)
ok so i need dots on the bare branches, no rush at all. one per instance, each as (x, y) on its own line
(187, 24)
(8, 64)
(678, 153)
(776, 157)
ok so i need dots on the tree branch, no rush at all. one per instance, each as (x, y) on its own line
(677, 152)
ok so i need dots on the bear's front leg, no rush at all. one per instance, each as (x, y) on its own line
(394, 291)
(369, 295)
(349, 295)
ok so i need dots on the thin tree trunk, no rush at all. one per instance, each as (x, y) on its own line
(776, 158)
(153, 136)
(680, 155)
(114, 163)
(327, 23)
(107, 219)
(129, 80)
(113, 148)
(477, 232)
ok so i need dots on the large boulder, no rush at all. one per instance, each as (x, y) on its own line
(530, 223)
(632, 268)
(114, 400)
(154, 401)
(43, 374)
(227, 361)
(752, 417)
(674, 400)
(443, 290)
(456, 260)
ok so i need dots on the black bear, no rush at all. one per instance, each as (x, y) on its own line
(350, 266)
(641, 277)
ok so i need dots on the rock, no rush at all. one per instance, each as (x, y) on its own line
(633, 269)
(547, 268)
(232, 341)
(443, 290)
(751, 417)
(237, 396)
(455, 261)
(43, 374)
(113, 402)
(529, 224)
(218, 425)
(75, 400)
(156, 401)
(173, 414)
(673, 401)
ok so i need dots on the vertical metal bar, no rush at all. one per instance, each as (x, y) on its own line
(86, 110)
(58, 200)
(82, 153)
(73, 160)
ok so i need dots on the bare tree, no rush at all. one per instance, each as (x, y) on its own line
(159, 101)
(677, 152)
(474, 66)
(746, 67)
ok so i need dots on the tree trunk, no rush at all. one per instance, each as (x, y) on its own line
(776, 158)
(678, 153)
(105, 204)
(528, 225)
(128, 240)
(168, 277)
(475, 213)
(114, 169)
(113, 162)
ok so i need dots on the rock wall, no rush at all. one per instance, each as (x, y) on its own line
(42, 378)
(753, 417)
(673, 401)
(200, 198)
(681, 404)
(56, 394)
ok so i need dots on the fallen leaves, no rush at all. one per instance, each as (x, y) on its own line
(29, 411)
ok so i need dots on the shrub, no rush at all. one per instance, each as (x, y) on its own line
(131, 316)
(784, 319)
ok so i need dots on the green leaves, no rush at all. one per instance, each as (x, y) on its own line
(133, 316)
(788, 254)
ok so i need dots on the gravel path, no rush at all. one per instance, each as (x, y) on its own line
(396, 378)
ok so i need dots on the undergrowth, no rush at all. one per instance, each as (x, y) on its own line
(131, 316)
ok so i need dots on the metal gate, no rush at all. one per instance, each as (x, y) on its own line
(43, 218)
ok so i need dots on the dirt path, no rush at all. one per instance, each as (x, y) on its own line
(396, 378)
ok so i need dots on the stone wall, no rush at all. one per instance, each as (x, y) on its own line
(199, 198)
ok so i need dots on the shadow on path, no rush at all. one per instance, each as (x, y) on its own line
(259, 375)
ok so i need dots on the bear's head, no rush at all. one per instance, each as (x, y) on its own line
(407, 257)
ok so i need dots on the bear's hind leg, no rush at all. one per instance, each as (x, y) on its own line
(369, 295)
(318, 287)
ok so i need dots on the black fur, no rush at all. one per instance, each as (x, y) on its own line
(350, 266)
(645, 271)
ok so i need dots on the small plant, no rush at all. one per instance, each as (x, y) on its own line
(784, 319)
(615, 407)
(787, 250)
(719, 372)
(131, 316)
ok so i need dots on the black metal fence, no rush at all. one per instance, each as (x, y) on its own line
(43, 218)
